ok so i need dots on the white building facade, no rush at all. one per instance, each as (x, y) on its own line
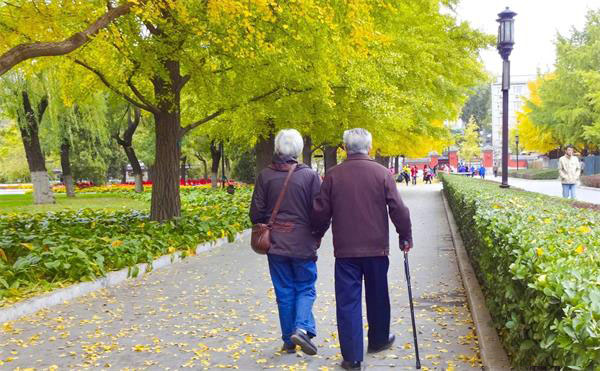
(518, 90)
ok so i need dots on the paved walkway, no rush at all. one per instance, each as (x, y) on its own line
(551, 188)
(217, 310)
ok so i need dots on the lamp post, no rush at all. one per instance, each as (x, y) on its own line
(506, 40)
(517, 140)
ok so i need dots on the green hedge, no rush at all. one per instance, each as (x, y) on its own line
(538, 261)
(536, 174)
(41, 251)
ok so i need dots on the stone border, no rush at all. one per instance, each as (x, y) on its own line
(56, 297)
(493, 355)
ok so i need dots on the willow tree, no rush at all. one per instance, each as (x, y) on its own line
(25, 100)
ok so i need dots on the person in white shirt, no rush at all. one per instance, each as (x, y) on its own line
(569, 169)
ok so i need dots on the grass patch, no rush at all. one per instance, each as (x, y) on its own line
(24, 203)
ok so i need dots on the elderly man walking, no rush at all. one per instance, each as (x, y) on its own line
(357, 195)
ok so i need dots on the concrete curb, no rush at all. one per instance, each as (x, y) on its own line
(493, 355)
(34, 304)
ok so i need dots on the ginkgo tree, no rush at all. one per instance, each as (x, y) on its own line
(261, 65)
(533, 136)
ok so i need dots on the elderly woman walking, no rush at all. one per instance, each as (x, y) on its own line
(293, 253)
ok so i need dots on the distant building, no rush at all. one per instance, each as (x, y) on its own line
(455, 125)
(518, 89)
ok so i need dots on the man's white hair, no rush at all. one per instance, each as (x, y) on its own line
(289, 142)
(358, 141)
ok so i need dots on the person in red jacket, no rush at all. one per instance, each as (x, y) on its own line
(357, 196)
(413, 172)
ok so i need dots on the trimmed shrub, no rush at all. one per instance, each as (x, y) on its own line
(535, 174)
(538, 261)
(591, 181)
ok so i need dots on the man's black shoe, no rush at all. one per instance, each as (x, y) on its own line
(288, 348)
(383, 347)
(349, 365)
(301, 339)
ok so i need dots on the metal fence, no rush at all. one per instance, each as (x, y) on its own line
(591, 165)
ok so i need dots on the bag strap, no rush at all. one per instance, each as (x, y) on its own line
(282, 194)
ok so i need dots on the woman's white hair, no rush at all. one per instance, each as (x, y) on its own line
(358, 141)
(289, 142)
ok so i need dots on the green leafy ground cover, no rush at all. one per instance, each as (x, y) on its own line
(538, 261)
(44, 250)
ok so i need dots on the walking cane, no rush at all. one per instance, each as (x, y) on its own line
(412, 310)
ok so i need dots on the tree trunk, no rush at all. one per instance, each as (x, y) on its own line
(166, 203)
(126, 143)
(182, 171)
(204, 164)
(29, 128)
(215, 155)
(396, 165)
(264, 152)
(124, 174)
(330, 157)
(65, 164)
(307, 151)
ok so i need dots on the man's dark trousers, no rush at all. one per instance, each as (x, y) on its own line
(349, 273)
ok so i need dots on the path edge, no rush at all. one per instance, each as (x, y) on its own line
(493, 355)
(111, 279)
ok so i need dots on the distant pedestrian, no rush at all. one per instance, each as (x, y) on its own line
(426, 175)
(472, 171)
(293, 253)
(569, 169)
(413, 174)
(482, 172)
(495, 168)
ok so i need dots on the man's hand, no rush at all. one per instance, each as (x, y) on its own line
(405, 246)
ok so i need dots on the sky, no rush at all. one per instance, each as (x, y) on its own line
(536, 26)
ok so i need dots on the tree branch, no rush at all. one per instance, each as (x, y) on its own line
(114, 89)
(214, 115)
(140, 95)
(220, 111)
(27, 51)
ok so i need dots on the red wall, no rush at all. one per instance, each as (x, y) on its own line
(433, 161)
(513, 163)
(488, 159)
(453, 159)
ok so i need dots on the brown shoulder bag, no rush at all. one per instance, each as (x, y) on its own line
(261, 233)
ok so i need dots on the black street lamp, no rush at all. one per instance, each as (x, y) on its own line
(506, 40)
(517, 140)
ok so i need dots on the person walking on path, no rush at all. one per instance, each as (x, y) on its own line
(569, 169)
(427, 174)
(482, 172)
(357, 195)
(413, 173)
(293, 253)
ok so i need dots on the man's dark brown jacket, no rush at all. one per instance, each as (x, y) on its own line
(356, 196)
(292, 233)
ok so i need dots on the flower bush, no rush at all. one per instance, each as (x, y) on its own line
(591, 180)
(17, 186)
(45, 250)
(538, 261)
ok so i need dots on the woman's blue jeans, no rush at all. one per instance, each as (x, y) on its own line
(294, 282)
